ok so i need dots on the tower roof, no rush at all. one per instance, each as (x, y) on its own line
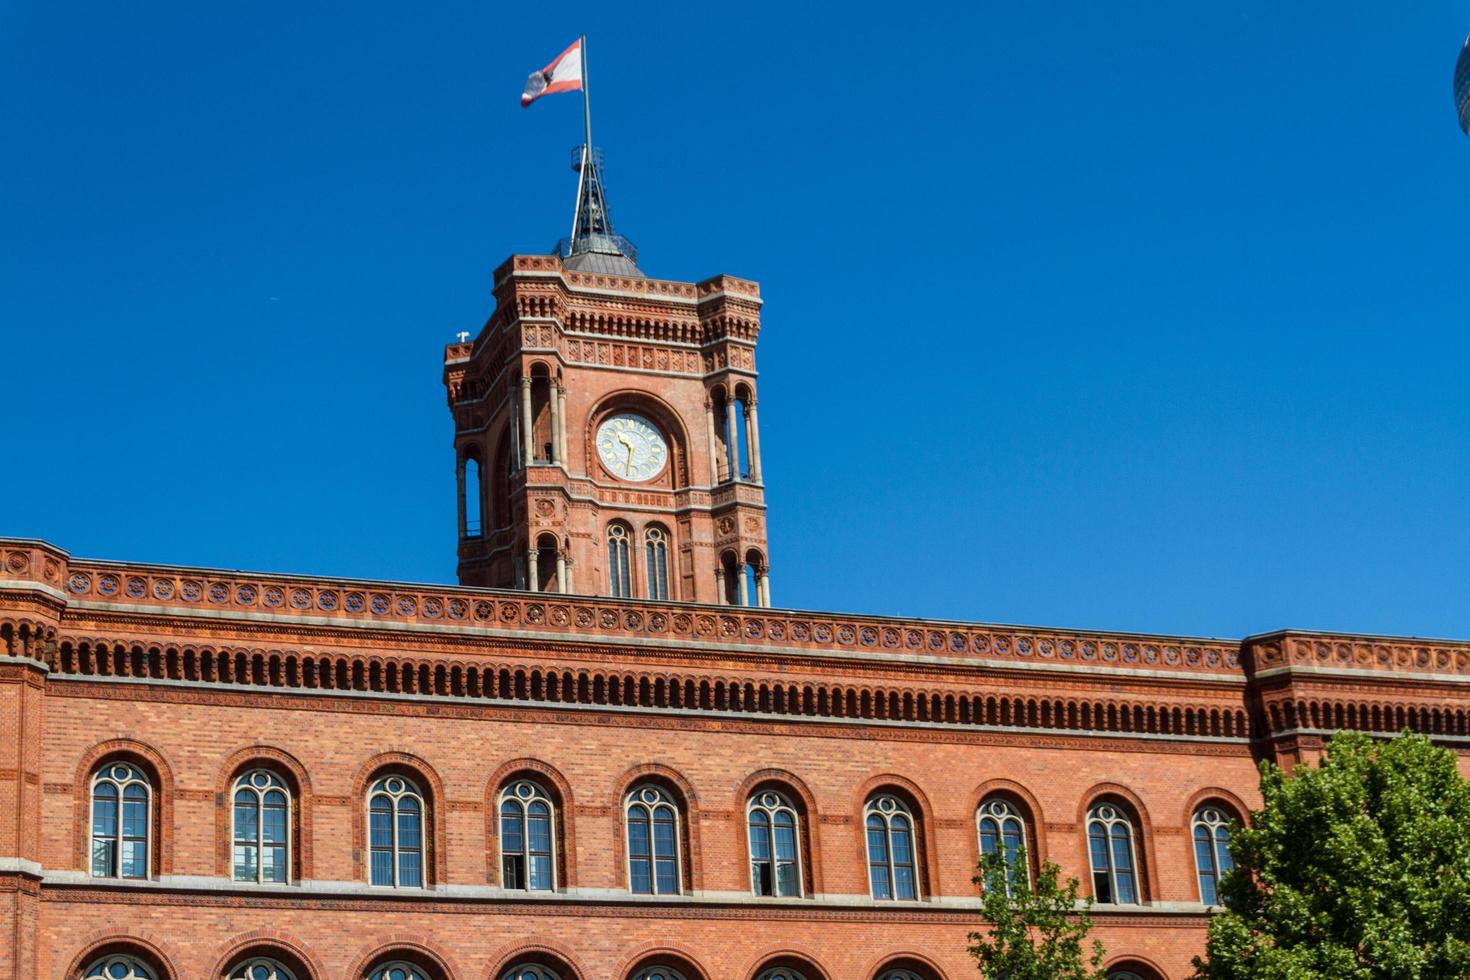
(593, 245)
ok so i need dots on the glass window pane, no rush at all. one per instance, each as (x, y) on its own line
(640, 876)
(380, 821)
(878, 879)
(904, 882)
(988, 836)
(408, 829)
(103, 857)
(663, 834)
(104, 817)
(540, 834)
(667, 878)
(1222, 854)
(244, 862)
(1122, 853)
(1127, 895)
(541, 872)
(135, 859)
(903, 852)
(637, 833)
(785, 843)
(877, 841)
(135, 818)
(273, 864)
(410, 869)
(1097, 847)
(511, 828)
(274, 830)
(760, 840)
(787, 879)
(245, 822)
(382, 867)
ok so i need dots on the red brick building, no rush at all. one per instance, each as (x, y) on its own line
(605, 756)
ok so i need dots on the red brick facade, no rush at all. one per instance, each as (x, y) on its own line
(195, 677)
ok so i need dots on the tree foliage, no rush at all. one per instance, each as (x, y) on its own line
(1357, 869)
(1038, 933)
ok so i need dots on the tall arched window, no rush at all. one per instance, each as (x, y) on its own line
(1110, 846)
(474, 497)
(619, 569)
(891, 861)
(527, 838)
(261, 819)
(397, 970)
(1211, 851)
(656, 561)
(260, 968)
(528, 971)
(653, 842)
(122, 812)
(775, 851)
(117, 968)
(1003, 831)
(396, 832)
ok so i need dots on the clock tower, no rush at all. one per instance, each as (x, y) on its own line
(605, 427)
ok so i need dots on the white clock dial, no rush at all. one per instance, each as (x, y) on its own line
(631, 448)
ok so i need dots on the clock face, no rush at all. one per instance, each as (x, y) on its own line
(630, 447)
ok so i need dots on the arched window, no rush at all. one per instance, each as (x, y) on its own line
(527, 971)
(473, 497)
(1110, 845)
(398, 970)
(653, 842)
(656, 561)
(899, 975)
(619, 571)
(259, 968)
(891, 865)
(122, 812)
(658, 973)
(527, 834)
(117, 968)
(1124, 975)
(1003, 831)
(781, 973)
(396, 832)
(1211, 851)
(775, 852)
(262, 828)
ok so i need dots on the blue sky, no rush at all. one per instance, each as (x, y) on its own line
(1139, 316)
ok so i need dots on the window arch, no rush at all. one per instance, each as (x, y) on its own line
(899, 975)
(892, 860)
(396, 820)
(118, 968)
(259, 968)
(1002, 830)
(656, 561)
(658, 973)
(781, 973)
(1124, 975)
(527, 837)
(260, 820)
(1112, 855)
(122, 815)
(619, 566)
(530, 971)
(774, 830)
(655, 864)
(473, 497)
(398, 970)
(1211, 832)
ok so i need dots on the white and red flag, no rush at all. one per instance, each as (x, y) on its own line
(563, 75)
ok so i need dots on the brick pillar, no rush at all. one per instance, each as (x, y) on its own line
(22, 707)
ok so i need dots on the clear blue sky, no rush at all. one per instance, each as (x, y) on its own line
(1142, 316)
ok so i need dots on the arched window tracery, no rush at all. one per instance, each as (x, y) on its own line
(530, 971)
(259, 968)
(396, 820)
(1002, 831)
(118, 967)
(654, 852)
(1211, 833)
(892, 859)
(658, 973)
(122, 818)
(656, 561)
(774, 832)
(527, 837)
(619, 564)
(781, 973)
(260, 817)
(397, 970)
(1114, 861)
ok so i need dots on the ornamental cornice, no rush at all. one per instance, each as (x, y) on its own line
(1412, 658)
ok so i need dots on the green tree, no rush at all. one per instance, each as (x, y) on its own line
(1357, 869)
(1036, 933)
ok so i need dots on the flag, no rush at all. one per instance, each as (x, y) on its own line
(562, 75)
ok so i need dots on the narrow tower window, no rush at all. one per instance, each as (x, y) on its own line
(619, 571)
(656, 560)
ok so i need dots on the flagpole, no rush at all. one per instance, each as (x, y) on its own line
(586, 98)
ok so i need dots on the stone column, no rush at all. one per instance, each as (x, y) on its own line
(720, 584)
(753, 440)
(742, 586)
(561, 397)
(561, 571)
(533, 573)
(553, 399)
(714, 450)
(459, 480)
(515, 429)
(732, 440)
(571, 566)
(763, 587)
(528, 432)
